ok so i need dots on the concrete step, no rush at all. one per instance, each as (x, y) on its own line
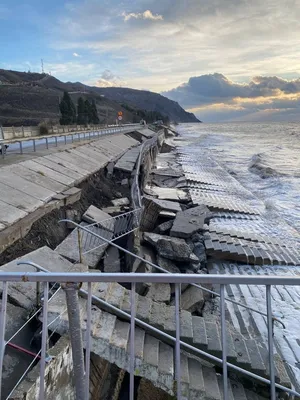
(201, 332)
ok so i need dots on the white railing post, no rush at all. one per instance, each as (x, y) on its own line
(132, 340)
(224, 342)
(270, 342)
(177, 346)
(2, 328)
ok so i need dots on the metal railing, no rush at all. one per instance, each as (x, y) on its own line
(97, 234)
(104, 239)
(62, 138)
(71, 282)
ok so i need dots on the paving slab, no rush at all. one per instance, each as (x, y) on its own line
(128, 160)
(35, 177)
(77, 159)
(10, 214)
(94, 215)
(23, 294)
(189, 221)
(19, 199)
(85, 159)
(97, 155)
(34, 165)
(70, 165)
(58, 167)
(69, 248)
(169, 193)
(16, 182)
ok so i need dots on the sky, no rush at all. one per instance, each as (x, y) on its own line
(224, 60)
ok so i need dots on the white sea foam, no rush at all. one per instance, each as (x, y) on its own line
(265, 158)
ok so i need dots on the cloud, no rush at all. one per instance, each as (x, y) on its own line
(219, 98)
(145, 15)
(240, 38)
(108, 79)
(76, 55)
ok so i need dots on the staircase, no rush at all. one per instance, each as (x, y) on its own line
(154, 359)
(154, 353)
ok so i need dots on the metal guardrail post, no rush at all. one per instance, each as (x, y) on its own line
(71, 290)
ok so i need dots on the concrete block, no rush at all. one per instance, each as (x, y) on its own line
(159, 292)
(23, 294)
(121, 202)
(72, 195)
(70, 249)
(95, 215)
(112, 260)
(192, 299)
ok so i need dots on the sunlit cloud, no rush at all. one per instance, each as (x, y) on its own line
(76, 55)
(145, 15)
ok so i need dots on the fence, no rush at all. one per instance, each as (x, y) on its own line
(82, 377)
(9, 133)
(31, 143)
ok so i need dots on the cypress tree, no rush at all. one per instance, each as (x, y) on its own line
(88, 111)
(94, 113)
(81, 114)
(67, 110)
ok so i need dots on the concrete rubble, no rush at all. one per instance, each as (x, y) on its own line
(169, 247)
(189, 222)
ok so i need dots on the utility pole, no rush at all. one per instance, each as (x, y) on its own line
(42, 64)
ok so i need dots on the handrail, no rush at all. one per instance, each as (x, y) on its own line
(160, 278)
(166, 271)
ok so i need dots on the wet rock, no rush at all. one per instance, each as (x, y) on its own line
(189, 222)
(164, 228)
(169, 247)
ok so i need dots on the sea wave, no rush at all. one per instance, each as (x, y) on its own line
(259, 166)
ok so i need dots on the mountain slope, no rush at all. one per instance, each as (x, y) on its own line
(28, 98)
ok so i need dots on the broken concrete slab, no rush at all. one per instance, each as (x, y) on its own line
(111, 261)
(124, 201)
(192, 300)
(168, 265)
(152, 209)
(72, 195)
(94, 215)
(168, 193)
(189, 221)
(170, 247)
(164, 228)
(159, 292)
(74, 252)
(167, 172)
(23, 294)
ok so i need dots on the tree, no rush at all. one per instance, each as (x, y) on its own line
(88, 112)
(81, 112)
(94, 113)
(67, 110)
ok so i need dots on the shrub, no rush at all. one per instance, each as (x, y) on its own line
(44, 129)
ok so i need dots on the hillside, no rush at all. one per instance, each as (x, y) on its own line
(28, 98)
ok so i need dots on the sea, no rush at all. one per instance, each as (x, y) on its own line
(263, 157)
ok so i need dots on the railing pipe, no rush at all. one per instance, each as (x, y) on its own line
(270, 343)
